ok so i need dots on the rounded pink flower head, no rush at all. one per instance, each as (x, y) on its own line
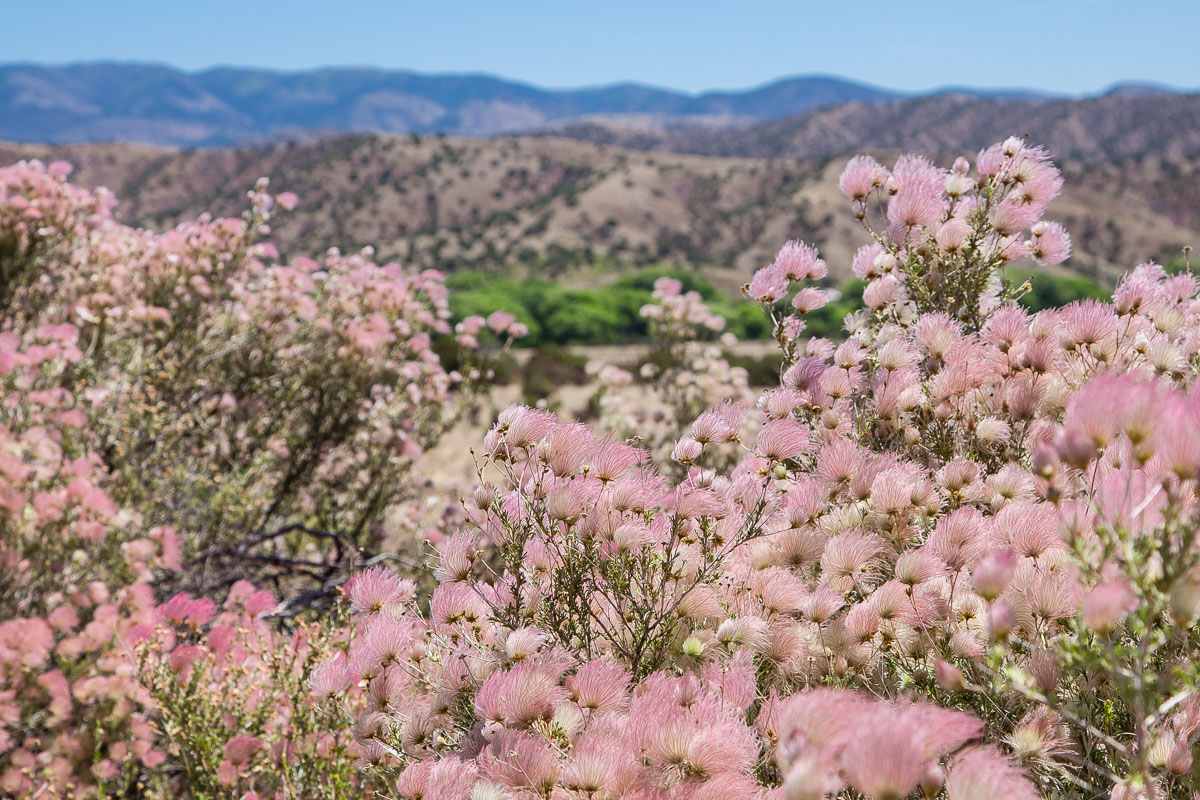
(331, 678)
(808, 300)
(600, 686)
(952, 235)
(718, 425)
(861, 176)
(1050, 243)
(948, 676)
(992, 574)
(768, 285)
(240, 749)
(798, 261)
(500, 321)
(520, 696)
(375, 588)
(1000, 620)
(184, 608)
(919, 566)
(984, 773)
(1107, 605)
(686, 450)
(919, 200)
(524, 426)
(782, 439)
(886, 758)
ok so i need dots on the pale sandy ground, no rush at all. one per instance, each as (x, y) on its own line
(451, 459)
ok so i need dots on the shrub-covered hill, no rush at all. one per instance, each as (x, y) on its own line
(557, 208)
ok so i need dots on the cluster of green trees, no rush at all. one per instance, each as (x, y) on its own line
(1052, 291)
(609, 313)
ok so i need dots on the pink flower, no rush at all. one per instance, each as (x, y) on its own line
(953, 234)
(718, 425)
(599, 686)
(227, 773)
(524, 426)
(768, 285)
(519, 760)
(861, 176)
(886, 758)
(185, 608)
(1089, 322)
(500, 321)
(598, 768)
(919, 566)
(376, 588)
(331, 678)
(948, 676)
(797, 261)
(992, 574)
(782, 439)
(566, 447)
(984, 773)
(1051, 244)
(1175, 441)
(808, 300)
(241, 748)
(959, 538)
(1107, 605)
(919, 200)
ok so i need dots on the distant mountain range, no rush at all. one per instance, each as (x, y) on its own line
(161, 105)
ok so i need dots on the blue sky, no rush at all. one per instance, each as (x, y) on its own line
(1073, 46)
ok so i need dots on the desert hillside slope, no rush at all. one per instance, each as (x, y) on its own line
(553, 206)
(1120, 125)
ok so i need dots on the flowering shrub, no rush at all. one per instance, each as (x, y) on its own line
(951, 555)
(958, 556)
(239, 399)
(72, 715)
(181, 409)
(688, 376)
(231, 694)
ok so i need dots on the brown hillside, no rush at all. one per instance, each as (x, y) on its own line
(549, 205)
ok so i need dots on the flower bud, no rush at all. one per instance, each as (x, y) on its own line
(932, 778)
(483, 496)
(949, 677)
(1107, 605)
(1044, 668)
(686, 450)
(1184, 602)
(1000, 621)
(1045, 460)
(991, 576)
(1180, 760)
(1074, 448)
